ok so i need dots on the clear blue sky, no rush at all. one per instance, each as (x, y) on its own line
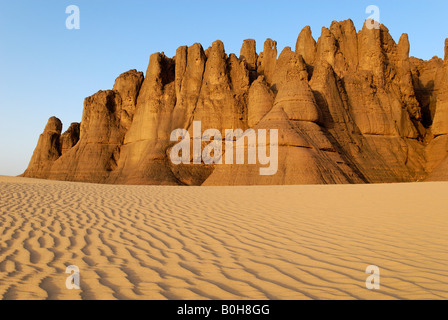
(46, 69)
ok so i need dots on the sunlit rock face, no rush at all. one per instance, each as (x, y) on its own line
(351, 107)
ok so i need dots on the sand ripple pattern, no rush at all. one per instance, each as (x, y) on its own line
(283, 242)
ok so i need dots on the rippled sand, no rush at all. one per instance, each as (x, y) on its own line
(282, 242)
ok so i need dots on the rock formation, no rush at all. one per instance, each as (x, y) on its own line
(351, 107)
(47, 151)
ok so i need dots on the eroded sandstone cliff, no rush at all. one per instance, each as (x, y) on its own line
(351, 107)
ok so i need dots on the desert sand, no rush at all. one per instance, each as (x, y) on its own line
(170, 242)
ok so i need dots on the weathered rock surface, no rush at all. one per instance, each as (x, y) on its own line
(437, 89)
(70, 137)
(306, 45)
(47, 151)
(351, 107)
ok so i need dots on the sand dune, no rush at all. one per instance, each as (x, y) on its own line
(283, 242)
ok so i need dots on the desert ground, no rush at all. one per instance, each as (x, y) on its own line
(279, 242)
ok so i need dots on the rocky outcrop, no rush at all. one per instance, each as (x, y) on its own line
(47, 151)
(351, 107)
(248, 53)
(267, 60)
(306, 45)
(128, 85)
(96, 142)
(70, 137)
(446, 49)
(436, 79)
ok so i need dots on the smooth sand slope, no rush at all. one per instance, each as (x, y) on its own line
(292, 242)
